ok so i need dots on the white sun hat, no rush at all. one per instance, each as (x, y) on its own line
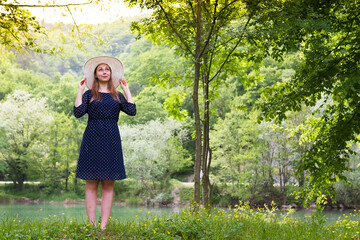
(117, 69)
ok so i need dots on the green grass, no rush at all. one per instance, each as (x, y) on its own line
(239, 223)
(62, 197)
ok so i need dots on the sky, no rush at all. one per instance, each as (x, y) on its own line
(87, 14)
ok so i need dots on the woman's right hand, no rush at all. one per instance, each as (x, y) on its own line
(82, 84)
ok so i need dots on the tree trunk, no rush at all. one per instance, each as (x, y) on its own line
(205, 158)
(67, 165)
(197, 65)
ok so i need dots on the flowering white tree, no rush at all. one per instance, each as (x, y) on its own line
(24, 120)
(153, 151)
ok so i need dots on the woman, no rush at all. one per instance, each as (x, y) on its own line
(101, 158)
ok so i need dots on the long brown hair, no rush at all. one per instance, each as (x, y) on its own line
(95, 87)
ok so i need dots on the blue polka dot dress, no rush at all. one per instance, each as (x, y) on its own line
(101, 155)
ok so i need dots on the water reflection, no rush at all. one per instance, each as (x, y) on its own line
(76, 211)
(124, 213)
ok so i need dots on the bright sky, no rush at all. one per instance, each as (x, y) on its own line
(87, 14)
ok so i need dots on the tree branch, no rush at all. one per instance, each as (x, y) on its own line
(233, 49)
(45, 6)
(214, 23)
(174, 29)
(77, 27)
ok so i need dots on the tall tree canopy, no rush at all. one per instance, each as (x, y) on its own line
(17, 26)
(20, 30)
(328, 34)
(212, 35)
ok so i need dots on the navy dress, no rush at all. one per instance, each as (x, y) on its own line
(101, 155)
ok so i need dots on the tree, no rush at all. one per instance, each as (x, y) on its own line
(153, 152)
(25, 120)
(149, 104)
(20, 30)
(208, 34)
(61, 151)
(17, 27)
(327, 32)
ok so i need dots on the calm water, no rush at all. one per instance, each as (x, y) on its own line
(75, 211)
(331, 215)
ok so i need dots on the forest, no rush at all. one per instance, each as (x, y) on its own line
(278, 112)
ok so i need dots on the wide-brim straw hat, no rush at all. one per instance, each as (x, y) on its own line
(116, 66)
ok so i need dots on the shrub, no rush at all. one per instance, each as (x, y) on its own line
(186, 195)
(163, 198)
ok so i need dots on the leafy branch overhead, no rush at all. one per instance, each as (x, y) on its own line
(18, 27)
(327, 33)
(20, 30)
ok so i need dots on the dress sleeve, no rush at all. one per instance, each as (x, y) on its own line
(126, 107)
(82, 109)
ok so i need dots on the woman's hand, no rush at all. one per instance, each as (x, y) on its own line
(78, 100)
(82, 85)
(126, 90)
(124, 85)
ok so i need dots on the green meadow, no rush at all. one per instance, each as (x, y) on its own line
(241, 222)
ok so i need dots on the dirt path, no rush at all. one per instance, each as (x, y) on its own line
(176, 195)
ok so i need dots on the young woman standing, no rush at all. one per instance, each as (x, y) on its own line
(101, 158)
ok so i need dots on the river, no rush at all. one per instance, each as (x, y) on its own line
(75, 211)
(122, 213)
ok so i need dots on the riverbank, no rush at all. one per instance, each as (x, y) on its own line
(175, 204)
(33, 193)
(239, 223)
(181, 194)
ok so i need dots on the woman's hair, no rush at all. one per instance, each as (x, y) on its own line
(96, 85)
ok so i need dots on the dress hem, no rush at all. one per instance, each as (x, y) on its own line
(102, 179)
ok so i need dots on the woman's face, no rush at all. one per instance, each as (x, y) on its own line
(103, 72)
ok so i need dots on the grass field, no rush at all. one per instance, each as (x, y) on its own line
(239, 223)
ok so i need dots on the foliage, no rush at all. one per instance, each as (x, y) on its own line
(18, 28)
(61, 146)
(209, 34)
(153, 152)
(186, 194)
(327, 34)
(25, 120)
(255, 162)
(163, 198)
(149, 104)
(349, 195)
(267, 154)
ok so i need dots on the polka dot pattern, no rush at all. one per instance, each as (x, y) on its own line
(101, 156)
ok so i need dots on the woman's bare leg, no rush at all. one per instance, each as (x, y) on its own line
(91, 200)
(106, 201)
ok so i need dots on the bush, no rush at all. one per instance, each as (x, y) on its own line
(163, 198)
(134, 201)
(222, 196)
(186, 195)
